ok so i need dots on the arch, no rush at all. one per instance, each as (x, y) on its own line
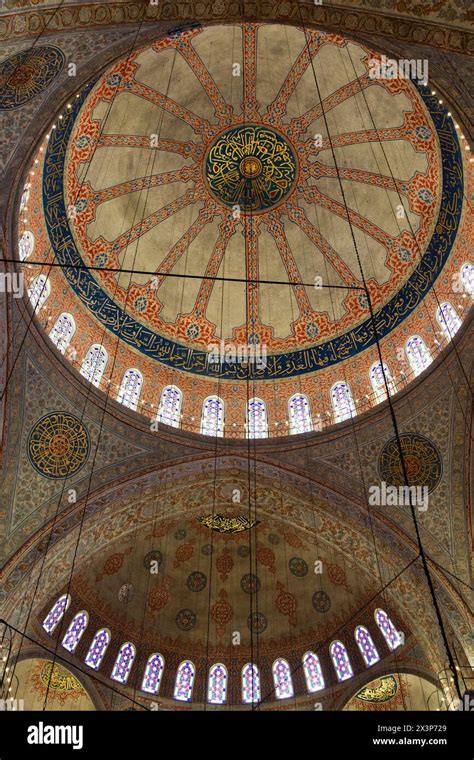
(467, 278)
(341, 661)
(26, 245)
(256, 425)
(448, 319)
(282, 679)
(417, 354)
(366, 646)
(388, 630)
(169, 409)
(123, 663)
(56, 613)
(217, 685)
(97, 649)
(130, 388)
(153, 673)
(25, 196)
(212, 418)
(377, 381)
(299, 414)
(38, 291)
(250, 684)
(183, 688)
(74, 633)
(62, 332)
(342, 401)
(313, 672)
(94, 364)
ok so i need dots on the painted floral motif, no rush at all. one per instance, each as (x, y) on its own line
(321, 601)
(250, 583)
(185, 620)
(298, 566)
(196, 581)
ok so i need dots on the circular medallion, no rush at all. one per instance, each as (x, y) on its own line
(207, 550)
(250, 583)
(273, 538)
(243, 551)
(180, 534)
(126, 593)
(58, 445)
(196, 581)
(257, 622)
(26, 74)
(250, 167)
(298, 566)
(149, 560)
(321, 601)
(185, 620)
(423, 462)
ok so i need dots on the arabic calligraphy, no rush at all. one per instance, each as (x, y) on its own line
(58, 678)
(58, 445)
(381, 693)
(235, 524)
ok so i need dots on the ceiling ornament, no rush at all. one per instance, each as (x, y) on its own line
(58, 445)
(233, 524)
(26, 74)
(423, 462)
(386, 689)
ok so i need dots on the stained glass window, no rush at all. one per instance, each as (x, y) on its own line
(94, 364)
(378, 383)
(56, 612)
(124, 662)
(390, 633)
(299, 413)
(366, 646)
(467, 277)
(418, 355)
(448, 319)
(26, 245)
(24, 197)
(153, 672)
(257, 426)
(97, 649)
(313, 672)
(39, 291)
(341, 662)
(212, 420)
(183, 687)
(282, 679)
(169, 410)
(250, 684)
(217, 686)
(342, 402)
(130, 388)
(74, 632)
(62, 332)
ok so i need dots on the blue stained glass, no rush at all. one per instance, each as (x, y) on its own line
(342, 402)
(169, 410)
(467, 278)
(341, 661)
(62, 332)
(300, 417)
(217, 688)
(94, 364)
(75, 631)
(183, 687)
(448, 319)
(56, 612)
(153, 672)
(130, 388)
(97, 648)
(366, 645)
(282, 679)
(378, 383)
(418, 355)
(212, 420)
(313, 672)
(250, 684)
(124, 662)
(391, 635)
(257, 426)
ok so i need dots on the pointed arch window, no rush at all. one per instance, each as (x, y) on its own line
(212, 419)
(169, 410)
(448, 319)
(26, 245)
(250, 684)
(390, 633)
(257, 425)
(341, 661)
(124, 662)
(467, 277)
(183, 688)
(24, 198)
(56, 613)
(313, 672)
(98, 648)
(282, 679)
(217, 686)
(418, 355)
(39, 291)
(94, 363)
(130, 388)
(153, 673)
(74, 633)
(378, 383)
(299, 414)
(62, 332)
(366, 645)
(342, 402)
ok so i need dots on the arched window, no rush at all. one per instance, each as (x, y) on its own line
(62, 332)
(73, 634)
(56, 612)
(130, 388)
(124, 662)
(169, 410)
(299, 414)
(418, 355)
(24, 197)
(183, 687)
(342, 402)
(39, 291)
(97, 649)
(366, 645)
(378, 383)
(467, 277)
(390, 633)
(250, 684)
(257, 426)
(26, 245)
(341, 662)
(217, 686)
(282, 679)
(212, 419)
(94, 364)
(448, 319)
(313, 672)
(153, 672)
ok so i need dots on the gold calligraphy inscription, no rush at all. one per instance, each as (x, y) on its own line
(234, 524)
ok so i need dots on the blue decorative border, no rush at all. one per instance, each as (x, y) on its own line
(301, 361)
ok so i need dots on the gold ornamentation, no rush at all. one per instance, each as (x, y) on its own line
(58, 678)
(386, 690)
(222, 524)
(58, 445)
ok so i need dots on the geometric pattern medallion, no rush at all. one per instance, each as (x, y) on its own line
(58, 445)
(423, 462)
(28, 73)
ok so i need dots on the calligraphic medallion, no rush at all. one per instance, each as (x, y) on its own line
(383, 692)
(423, 462)
(252, 167)
(58, 445)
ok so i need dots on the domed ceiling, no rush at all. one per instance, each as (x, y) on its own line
(199, 177)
